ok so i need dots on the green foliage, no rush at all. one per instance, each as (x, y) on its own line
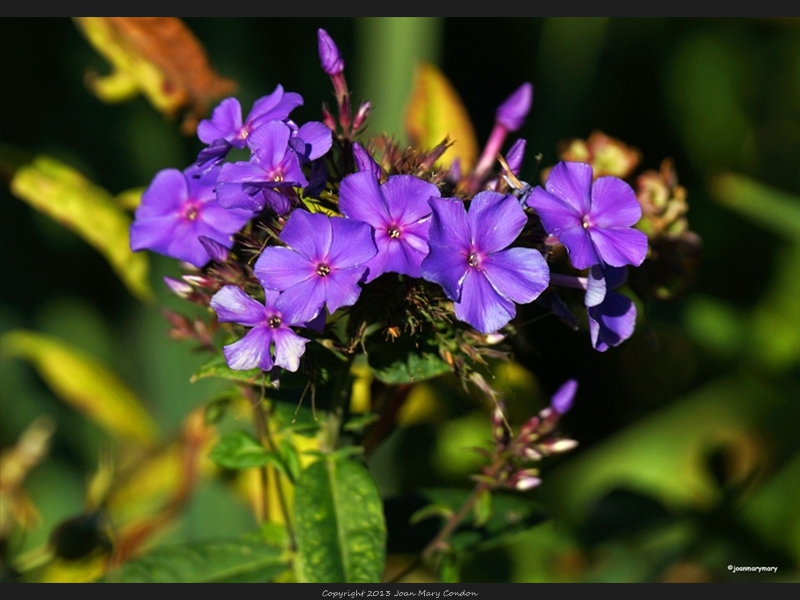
(402, 362)
(229, 561)
(341, 534)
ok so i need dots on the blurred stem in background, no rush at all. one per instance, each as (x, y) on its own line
(388, 52)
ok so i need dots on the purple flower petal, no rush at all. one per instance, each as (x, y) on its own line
(515, 155)
(352, 244)
(273, 107)
(225, 123)
(555, 214)
(407, 197)
(317, 138)
(360, 198)
(231, 191)
(309, 234)
(614, 203)
(342, 289)
(281, 268)
(154, 234)
(481, 306)
(232, 305)
(611, 322)
(495, 221)
(447, 268)
(582, 253)
(164, 196)
(519, 274)
(364, 162)
(596, 287)
(289, 347)
(619, 246)
(302, 302)
(252, 351)
(269, 144)
(448, 228)
(572, 182)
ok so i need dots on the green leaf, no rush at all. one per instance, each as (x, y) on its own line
(340, 529)
(62, 193)
(403, 362)
(217, 367)
(205, 562)
(772, 209)
(84, 383)
(240, 450)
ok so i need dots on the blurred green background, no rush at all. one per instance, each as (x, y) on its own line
(688, 459)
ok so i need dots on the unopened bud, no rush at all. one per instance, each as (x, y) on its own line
(327, 118)
(561, 401)
(329, 57)
(179, 288)
(361, 115)
(216, 251)
(511, 113)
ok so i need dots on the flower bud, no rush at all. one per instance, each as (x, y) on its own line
(179, 288)
(329, 57)
(361, 115)
(216, 251)
(561, 401)
(511, 113)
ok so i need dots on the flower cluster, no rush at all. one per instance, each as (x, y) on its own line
(289, 241)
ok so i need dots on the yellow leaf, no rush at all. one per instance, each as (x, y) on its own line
(435, 112)
(157, 56)
(83, 383)
(64, 194)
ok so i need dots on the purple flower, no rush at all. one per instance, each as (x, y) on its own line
(179, 207)
(612, 316)
(226, 120)
(269, 343)
(272, 166)
(398, 211)
(511, 113)
(324, 263)
(329, 57)
(225, 130)
(469, 257)
(593, 220)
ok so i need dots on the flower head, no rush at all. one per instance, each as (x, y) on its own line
(269, 343)
(593, 220)
(469, 257)
(324, 263)
(398, 211)
(177, 209)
